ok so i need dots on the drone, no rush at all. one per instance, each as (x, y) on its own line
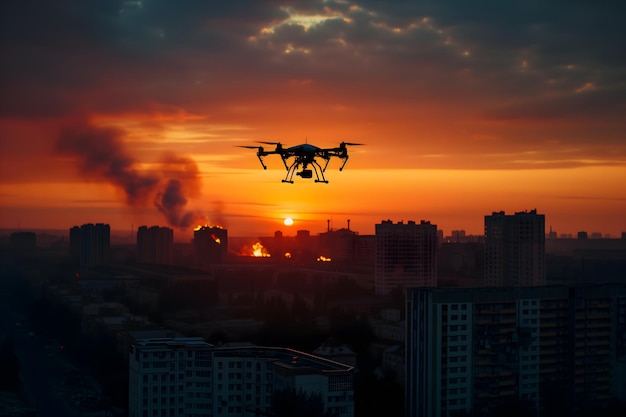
(304, 156)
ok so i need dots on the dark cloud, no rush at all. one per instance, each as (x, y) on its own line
(494, 60)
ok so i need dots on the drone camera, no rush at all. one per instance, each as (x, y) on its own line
(306, 173)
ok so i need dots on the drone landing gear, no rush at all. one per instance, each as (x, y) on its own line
(306, 173)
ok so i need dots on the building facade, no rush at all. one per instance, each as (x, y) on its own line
(155, 245)
(406, 255)
(91, 244)
(210, 246)
(471, 351)
(188, 377)
(515, 249)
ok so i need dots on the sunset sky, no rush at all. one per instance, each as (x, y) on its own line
(131, 113)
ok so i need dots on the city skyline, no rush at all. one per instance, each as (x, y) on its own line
(131, 114)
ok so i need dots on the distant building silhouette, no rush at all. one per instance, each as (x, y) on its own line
(91, 243)
(75, 244)
(551, 234)
(155, 245)
(515, 249)
(23, 240)
(406, 255)
(472, 350)
(340, 244)
(210, 246)
(189, 377)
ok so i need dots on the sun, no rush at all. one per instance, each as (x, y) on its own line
(288, 221)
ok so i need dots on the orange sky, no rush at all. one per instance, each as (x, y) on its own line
(132, 116)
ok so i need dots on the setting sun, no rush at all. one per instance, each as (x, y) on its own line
(288, 221)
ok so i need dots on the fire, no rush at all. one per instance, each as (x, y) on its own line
(322, 258)
(259, 251)
(201, 226)
(287, 255)
(216, 239)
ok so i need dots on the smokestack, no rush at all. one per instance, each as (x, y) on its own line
(328, 225)
(348, 224)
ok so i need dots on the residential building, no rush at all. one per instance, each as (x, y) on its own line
(189, 377)
(515, 249)
(155, 245)
(471, 350)
(406, 255)
(170, 377)
(91, 244)
(210, 246)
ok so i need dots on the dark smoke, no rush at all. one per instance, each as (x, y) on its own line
(100, 154)
(171, 201)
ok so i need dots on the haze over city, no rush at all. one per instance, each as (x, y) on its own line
(131, 112)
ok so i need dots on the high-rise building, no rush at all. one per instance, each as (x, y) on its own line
(188, 377)
(75, 244)
(171, 377)
(552, 348)
(155, 245)
(91, 244)
(406, 255)
(210, 246)
(515, 249)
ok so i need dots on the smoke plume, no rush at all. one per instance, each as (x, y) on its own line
(100, 154)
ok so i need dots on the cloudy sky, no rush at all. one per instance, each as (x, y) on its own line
(131, 112)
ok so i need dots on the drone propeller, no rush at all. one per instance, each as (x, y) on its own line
(248, 146)
(270, 143)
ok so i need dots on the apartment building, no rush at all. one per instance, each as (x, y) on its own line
(515, 249)
(470, 350)
(406, 255)
(188, 377)
(155, 245)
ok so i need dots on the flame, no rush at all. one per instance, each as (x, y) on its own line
(287, 255)
(216, 239)
(259, 251)
(322, 258)
(200, 226)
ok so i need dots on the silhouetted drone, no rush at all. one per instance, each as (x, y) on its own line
(304, 155)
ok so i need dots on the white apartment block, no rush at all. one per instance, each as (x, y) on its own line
(188, 377)
(470, 350)
(170, 377)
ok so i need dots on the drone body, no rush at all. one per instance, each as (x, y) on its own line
(304, 156)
